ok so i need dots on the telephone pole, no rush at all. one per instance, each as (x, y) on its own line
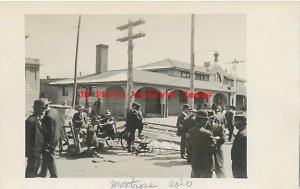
(235, 62)
(192, 72)
(75, 71)
(130, 38)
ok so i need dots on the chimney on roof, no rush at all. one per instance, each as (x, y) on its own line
(101, 58)
(216, 55)
(48, 77)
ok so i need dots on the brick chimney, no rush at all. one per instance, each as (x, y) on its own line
(101, 58)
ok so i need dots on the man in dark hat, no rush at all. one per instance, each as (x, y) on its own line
(53, 125)
(183, 116)
(202, 146)
(239, 148)
(34, 139)
(188, 124)
(229, 115)
(134, 120)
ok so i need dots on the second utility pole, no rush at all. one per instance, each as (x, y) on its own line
(192, 62)
(129, 38)
(75, 71)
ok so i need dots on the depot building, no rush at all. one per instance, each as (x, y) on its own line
(162, 77)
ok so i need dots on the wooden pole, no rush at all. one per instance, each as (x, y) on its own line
(75, 71)
(130, 69)
(192, 61)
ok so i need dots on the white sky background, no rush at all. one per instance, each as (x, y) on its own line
(53, 40)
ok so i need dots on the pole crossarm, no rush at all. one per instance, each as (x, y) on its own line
(132, 24)
(134, 36)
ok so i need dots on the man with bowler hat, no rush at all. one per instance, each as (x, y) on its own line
(202, 146)
(239, 148)
(188, 124)
(34, 139)
(134, 120)
(53, 125)
(180, 119)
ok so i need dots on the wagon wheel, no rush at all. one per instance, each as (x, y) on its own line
(144, 145)
(110, 142)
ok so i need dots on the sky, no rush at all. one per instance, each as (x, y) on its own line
(52, 39)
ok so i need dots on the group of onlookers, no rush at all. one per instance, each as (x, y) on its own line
(203, 134)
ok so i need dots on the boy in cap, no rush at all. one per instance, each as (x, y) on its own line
(34, 139)
(180, 119)
(239, 148)
(202, 147)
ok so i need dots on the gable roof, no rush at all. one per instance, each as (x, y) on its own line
(171, 63)
(144, 77)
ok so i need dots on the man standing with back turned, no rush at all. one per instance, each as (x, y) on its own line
(202, 146)
(53, 124)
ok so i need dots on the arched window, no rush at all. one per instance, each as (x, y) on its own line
(219, 78)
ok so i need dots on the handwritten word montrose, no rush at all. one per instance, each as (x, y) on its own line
(132, 184)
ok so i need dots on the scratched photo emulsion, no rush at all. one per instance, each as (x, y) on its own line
(120, 95)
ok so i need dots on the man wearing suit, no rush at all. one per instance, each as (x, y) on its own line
(188, 124)
(34, 139)
(134, 120)
(218, 132)
(183, 116)
(229, 121)
(202, 146)
(239, 148)
(53, 125)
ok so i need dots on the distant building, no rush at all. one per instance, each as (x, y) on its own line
(32, 82)
(162, 76)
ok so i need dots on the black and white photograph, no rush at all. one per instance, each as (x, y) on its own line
(136, 96)
(153, 94)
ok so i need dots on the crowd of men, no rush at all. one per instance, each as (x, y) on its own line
(202, 135)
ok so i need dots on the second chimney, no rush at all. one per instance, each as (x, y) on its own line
(101, 58)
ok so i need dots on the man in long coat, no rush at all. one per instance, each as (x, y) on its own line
(202, 146)
(229, 115)
(34, 139)
(239, 148)
(218, 132)
(134, 120)
(180, 132)
(53, 125)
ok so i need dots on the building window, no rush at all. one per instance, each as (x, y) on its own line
(185, 74)
(65, 91)
(182, 98)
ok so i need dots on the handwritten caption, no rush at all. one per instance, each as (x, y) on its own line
(139, 184)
